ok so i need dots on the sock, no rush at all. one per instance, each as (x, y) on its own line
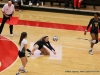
(91, 48)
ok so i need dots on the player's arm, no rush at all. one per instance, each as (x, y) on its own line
(50, 47)
(88, 26)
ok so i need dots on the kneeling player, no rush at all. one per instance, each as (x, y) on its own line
(44, 41)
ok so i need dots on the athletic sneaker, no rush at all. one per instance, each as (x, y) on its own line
(11, 35)
(24, 71)
(37, 4)
(29, 54)
(17, 73)
(90, 52)
(20, 11)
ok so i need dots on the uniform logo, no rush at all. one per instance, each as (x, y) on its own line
(96, 24)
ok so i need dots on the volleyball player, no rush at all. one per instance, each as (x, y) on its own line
(21, 53)
(95, 22)
(44, 41)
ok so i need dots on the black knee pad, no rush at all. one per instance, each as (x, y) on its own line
(96, 41)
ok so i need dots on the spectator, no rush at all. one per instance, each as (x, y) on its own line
(94, 4)
(37, 2)
(67, 3)
(77, 4)
(19, 2)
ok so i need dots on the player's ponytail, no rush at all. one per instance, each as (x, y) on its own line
(23, 35)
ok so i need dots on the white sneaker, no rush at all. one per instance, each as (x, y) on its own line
(24, 71)
(37, 4)
(11, 35)
(20, 11)
(90, 52)
(17, 73)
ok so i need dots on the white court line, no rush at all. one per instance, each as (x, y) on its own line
(0, 64)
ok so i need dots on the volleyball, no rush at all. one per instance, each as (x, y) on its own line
(55, 38)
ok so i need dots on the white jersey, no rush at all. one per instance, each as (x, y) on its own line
(24, 41)
(8, 9)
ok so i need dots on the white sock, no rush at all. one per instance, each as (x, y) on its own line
(91, 48)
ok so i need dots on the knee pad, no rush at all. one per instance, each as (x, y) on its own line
(36, 46)
(96, 41)
(28, 50)
(93, 41)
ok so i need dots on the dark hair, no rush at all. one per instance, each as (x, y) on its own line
(43, 38)
(97, 13)
(23, 35)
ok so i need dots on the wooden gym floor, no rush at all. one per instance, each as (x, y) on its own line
(74, 57)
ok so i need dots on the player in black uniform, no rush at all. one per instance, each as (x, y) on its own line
(40, 45)
(95, 22)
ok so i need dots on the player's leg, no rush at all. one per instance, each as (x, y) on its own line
(11, 30)
(11, 27)
(96, 35)
(45, 51)
(93, 41)
(3, 22)
(79, 4)
(24, 62)
(75, 3)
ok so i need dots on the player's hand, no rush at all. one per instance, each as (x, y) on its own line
(85, 32)
(54, 53)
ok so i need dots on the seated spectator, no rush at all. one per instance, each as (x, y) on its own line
(19, 2)
(77, 4)
(67, 3)
(37, 2)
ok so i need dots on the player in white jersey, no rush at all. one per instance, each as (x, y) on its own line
(21, 53)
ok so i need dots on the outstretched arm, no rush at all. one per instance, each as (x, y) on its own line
(50, 47)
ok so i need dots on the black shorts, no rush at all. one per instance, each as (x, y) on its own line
(21, 54)
(95, 32)
(40, 46)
